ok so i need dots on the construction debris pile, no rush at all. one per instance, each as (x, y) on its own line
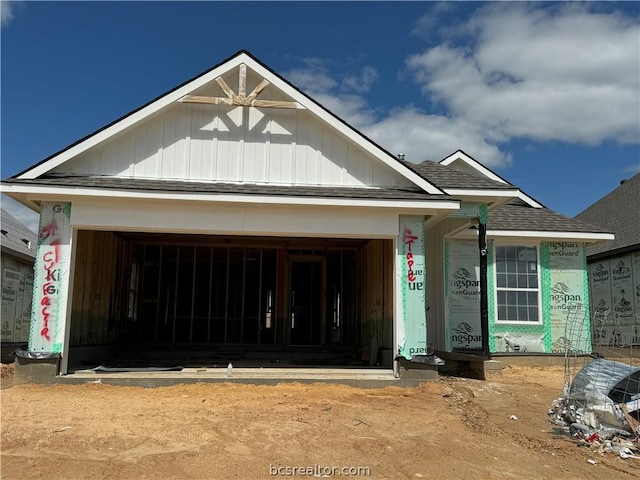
(600, 408)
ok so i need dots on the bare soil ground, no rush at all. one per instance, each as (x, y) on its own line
(451, 429)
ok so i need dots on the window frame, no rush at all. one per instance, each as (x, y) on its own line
(496, 289)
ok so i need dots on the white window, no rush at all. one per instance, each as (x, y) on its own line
(517, 283)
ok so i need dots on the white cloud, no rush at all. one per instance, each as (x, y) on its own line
(564, 74)
(421, 136)
(24, 215)
(351, 108)
(362, 81)
(434, 20)
(7, 11)
(312, 81)
(346, 101)
(511, 71)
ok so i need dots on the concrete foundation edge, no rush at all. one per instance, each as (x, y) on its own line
(417, 371)
(41, 371)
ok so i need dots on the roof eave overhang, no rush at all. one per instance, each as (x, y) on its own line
(482, 195)
(472, 162)
(29, 258)
(531, 235)
(492, 196)
(587, 237)
(21, 198)
(35, 193)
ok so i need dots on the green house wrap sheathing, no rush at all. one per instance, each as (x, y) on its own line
(462, 293)
(412, 330)
(564, 300)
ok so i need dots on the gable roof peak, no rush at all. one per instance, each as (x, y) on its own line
(471, 164)
(464, 162)
(291, 94)
(448, 177)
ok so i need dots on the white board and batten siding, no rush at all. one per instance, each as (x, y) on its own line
(220, 143)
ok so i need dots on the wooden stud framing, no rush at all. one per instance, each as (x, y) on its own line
(102, 284)
(95, 292)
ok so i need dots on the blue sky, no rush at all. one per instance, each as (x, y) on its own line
(546, 94)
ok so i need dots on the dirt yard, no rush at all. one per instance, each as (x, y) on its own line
(451, 429)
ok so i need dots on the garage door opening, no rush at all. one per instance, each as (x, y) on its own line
(202, 301)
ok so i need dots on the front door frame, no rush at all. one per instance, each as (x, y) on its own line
(319, 259)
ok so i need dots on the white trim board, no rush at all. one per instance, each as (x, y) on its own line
(524, 236)
(532, 234)
(482, 193)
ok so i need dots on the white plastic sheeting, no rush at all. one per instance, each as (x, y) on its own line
(600, 389)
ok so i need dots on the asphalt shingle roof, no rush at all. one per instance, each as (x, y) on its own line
(17, 237)
(514, 216)
(230, 188)
(443, 176)
(619, 212)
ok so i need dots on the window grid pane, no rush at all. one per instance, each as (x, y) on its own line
(517, 283)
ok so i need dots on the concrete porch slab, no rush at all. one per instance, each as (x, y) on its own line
(370, 378)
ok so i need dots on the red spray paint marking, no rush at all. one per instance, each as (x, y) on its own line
(48, 230)
(409, 238)
(49, 289)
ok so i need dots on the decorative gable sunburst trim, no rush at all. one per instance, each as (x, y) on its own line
(240, 99)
